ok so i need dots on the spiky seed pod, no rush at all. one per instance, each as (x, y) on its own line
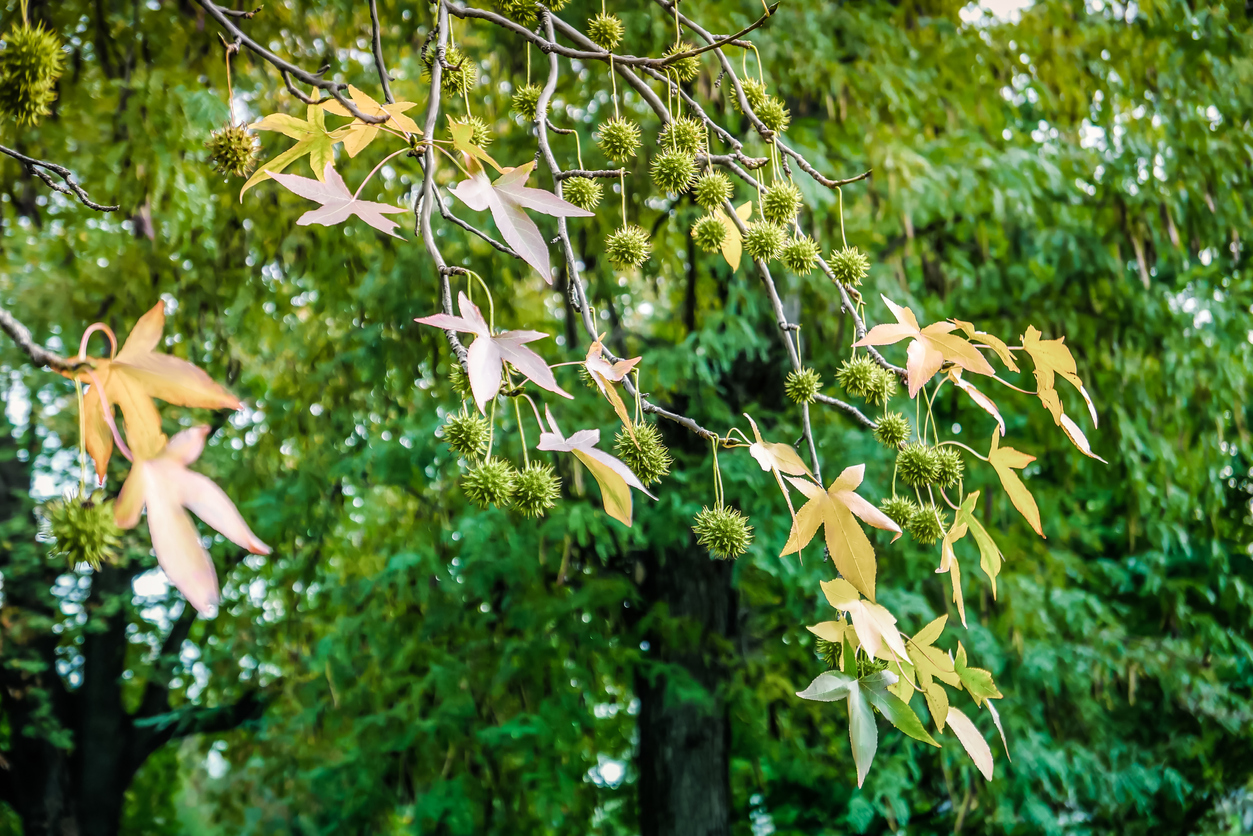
(764, 240)
(926, 524)
(536, 489)
(711, 189)
(892, 430)
(949, 466)
(829, 653)
(858, 376)
(687, 135)
(466, 434)
(619, 139)
(490, 483)
(459, 381)
(899, 509)
(685, 69)
(30, 65)
(523, 11)
(850, 266)
(673, 171)
(868, 667)
(754, 90)
(606, 31)
(773, 114)
(583, 192)
(724, 531)
(781, 202)
(232, 150)
(628, 246)
(480, 134)
(588, 380)
(882, 387)
(800, 255)
(709, 233)
(802, 386)
(82, 530)
(558, 5)
(525, 102)
(916, 465)
(645, 454)
(459, 73)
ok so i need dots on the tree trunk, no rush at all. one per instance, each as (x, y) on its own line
(685, 738)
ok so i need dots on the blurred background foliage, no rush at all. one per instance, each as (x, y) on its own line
(433, 668)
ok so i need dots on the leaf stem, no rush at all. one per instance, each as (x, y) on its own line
(964, 447)
(375, 171)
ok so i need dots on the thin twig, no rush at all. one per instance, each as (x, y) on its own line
(38, 354)
(384, 78)
(71, 187)
(606, 173)
(720, 42)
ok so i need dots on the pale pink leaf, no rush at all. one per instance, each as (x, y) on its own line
(338, 204)
(972, 740)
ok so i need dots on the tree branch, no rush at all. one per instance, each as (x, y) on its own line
(154, 732)
(40, 169)
(384, 78)
(38, 354)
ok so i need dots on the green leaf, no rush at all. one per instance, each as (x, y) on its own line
(976, 680)
(896, 710)
(861, 731)
(989, 555)
(829, 686)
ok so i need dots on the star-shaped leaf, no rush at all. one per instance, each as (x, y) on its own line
(360, 134)
(929, 347)
(463, 141)
(338, 204)
(989, 555)
(132, 379)
(1052, 358)
(613, 476)
(165, 486)
(507, 199)
(874, 625)
(733, 242)
(977, 681)
(932, 664)
(777, 458)
(995, 343)
(1005, 460)
(983, 401)
(604, 374)
(834, 509)
(489, 352)
(972, 741)
(312, 140)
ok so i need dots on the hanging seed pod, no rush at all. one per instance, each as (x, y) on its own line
(645, 454)
(619, 139)
(781, 202)
(899, 509)
(926, 524)
(232, 151)
(536, 489)
(711, 189)
(490, 483)
(800, 255)
(673, 171)
(724, 531)
(628, 246)
(709, 233)
(605, 31)
(892, 430)
(82, 530)
(583, 192)
(802, 386)
(917, 466)
(764, 240)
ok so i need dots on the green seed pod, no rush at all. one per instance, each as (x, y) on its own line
(849, 266)
(30, 65)
(606, 31)
(781, 202)
(829, 653)
(628, 246)
(466, 434)
(949, 466)
(858, 376)
(724, 531)
(673, 172)
(583, 192)
(882, 387)
(480, 134)
(800, 255)
(525, 102)
(899, 509)
(588, 380)
(490, 483)
(685, 69)
(802, 386)
(916, 465)
(536, 489)
(764, 240)
(619, 139)
(687, 135)
(711, 189)
(523, 11)
(926, 524)
(82, 530)
(773, 114)
(709, 233)
(558, 5)
(459, 380)
(645, 454)
(892, 430)
(232, 151)
(458, 76)
(754, 91)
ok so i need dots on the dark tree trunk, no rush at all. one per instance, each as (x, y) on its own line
(684, 740)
